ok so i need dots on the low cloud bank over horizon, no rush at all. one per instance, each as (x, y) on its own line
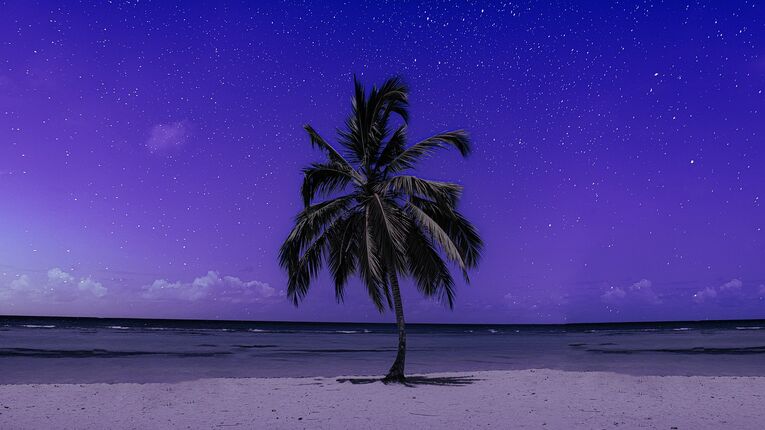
(212, 286)
(214, 295)
(59, 291)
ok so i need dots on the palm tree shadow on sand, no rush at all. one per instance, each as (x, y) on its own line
(413, 381)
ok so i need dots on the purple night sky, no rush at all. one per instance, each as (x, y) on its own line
(150, 154)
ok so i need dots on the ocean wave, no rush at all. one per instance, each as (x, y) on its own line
(492, 331)
(255, 346)
(682, 329)
(102, 353)
(118, 327)
(699, 350)
(336, 350)
(190, 330)
(748, 328)
(38, 326)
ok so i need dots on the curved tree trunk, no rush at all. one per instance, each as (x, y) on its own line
(396, 372)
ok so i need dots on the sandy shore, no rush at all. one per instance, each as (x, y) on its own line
(493, 399)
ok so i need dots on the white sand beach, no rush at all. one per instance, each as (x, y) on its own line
(535, 399)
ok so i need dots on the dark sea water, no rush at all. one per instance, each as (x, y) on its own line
(82, 350)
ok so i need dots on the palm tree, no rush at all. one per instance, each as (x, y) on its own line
(375, 220)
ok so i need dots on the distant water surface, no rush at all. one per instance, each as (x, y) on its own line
(84, 350)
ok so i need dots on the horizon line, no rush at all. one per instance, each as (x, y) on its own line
(383, 323)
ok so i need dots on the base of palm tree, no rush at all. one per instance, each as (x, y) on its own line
(396, 372)
(394, 379)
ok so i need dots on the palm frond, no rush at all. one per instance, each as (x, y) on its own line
(367, 126)
(355, 136)
(344, 252)
(314, 219)
(409, 157)
(444, 192)
(430, 273)
(392, 148)
(318, 142)
(372, 273)
(391, 231)
(322, 179)
(304, 268)
(310, 226)
(439, 236)
(463, 234)
(393, 97)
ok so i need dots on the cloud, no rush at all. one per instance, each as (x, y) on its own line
(20, 283)
(57, 285)
(707, 293)
(58, 276)
(639, 292)
(732, 285)
(730, 288)
(20, 287)
(613, 295)
(162, 289)
(212, 286)
(91, 286)
(169, 135)
(238, 291)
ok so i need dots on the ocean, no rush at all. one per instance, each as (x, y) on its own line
(89, 350)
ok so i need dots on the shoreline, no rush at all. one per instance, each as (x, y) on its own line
(105, 320)
(536, 398)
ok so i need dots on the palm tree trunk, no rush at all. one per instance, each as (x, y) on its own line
(396, 372)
